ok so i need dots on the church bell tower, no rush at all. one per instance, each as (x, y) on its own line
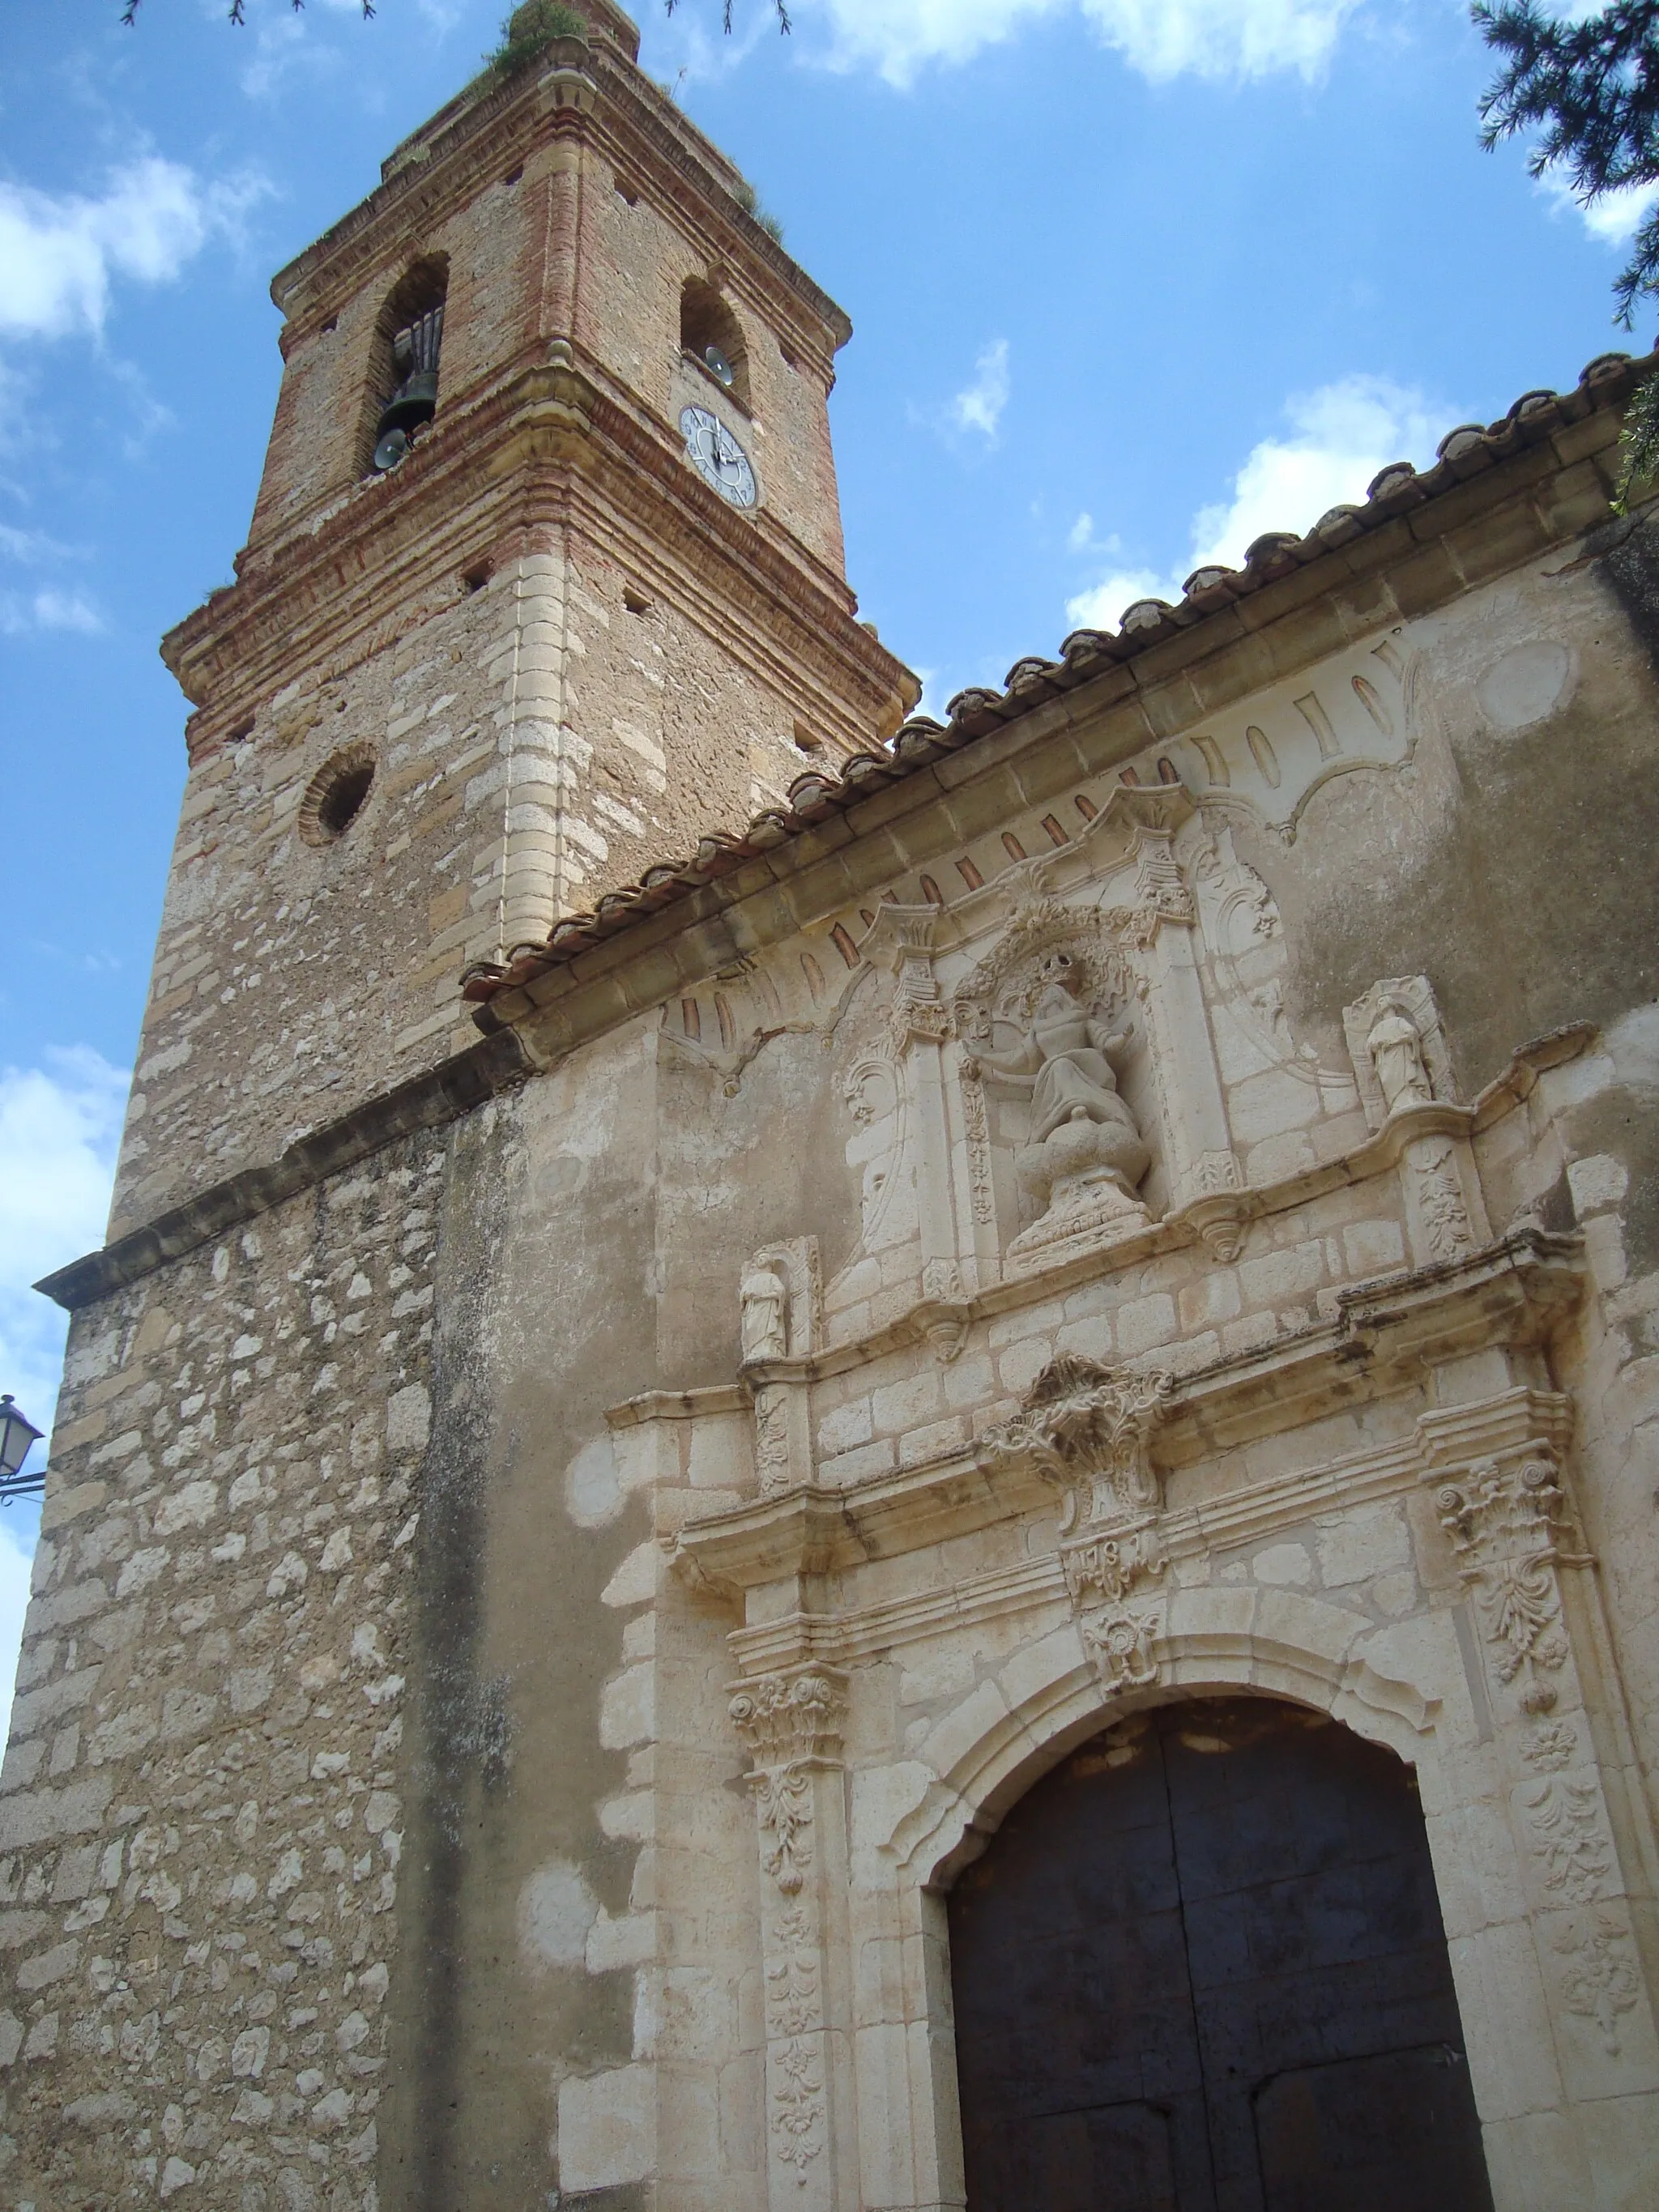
(544, 585)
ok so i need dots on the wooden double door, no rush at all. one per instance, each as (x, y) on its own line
(1201, 1968)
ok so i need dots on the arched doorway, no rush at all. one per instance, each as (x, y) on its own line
(1201, 1968)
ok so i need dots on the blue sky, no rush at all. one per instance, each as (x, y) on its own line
(1132, 281)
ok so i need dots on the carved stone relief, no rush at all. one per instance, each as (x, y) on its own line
(782, 1302)
(1087, 1156)
(1245, 951)
(1512, 1534)
(791, 1725)
(1398, 1047)
(1507, 1522)
(1272, 751)
(1046, 1019)
(1088, 1429)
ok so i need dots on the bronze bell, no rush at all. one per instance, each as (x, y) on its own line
(414, 399)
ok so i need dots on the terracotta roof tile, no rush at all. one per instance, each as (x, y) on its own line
(1462, 453)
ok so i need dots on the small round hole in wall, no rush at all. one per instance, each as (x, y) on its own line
(335, 796)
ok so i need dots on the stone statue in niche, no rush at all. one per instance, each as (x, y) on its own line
(765, 1296)
(1399, 1048)
(1395, 1045)
(1086, 1154)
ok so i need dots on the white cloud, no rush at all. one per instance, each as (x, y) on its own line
(14, 1560)
(1612, 220)
(1341, 435)
(1159, 39)
(59, 1128)
(980, 405)
(30, 545)
(61, 253)
(48, 609)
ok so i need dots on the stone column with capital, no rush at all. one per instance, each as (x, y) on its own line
(1566, 1773)
(790, 1724)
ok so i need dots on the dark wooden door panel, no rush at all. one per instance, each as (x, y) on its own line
(1393, 2133)
(1201, 1966)
(1118, 2156)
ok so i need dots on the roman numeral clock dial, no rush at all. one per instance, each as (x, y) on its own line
(717, 456)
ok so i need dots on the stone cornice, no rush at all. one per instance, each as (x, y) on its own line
(1243, 1516)
(546, 445)
(488, 134)
(1517, 1292)
(443, 1094)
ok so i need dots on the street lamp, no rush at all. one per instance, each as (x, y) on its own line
(17, 1433)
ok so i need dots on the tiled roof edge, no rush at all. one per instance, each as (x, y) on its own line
(1465, 451)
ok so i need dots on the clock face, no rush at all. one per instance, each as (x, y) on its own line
(715, 453)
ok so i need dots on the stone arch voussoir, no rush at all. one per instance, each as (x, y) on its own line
(986, 1752)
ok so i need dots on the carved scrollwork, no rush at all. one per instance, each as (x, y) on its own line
(794, 2021)
(783, 1806)
(1114, 1581)
(772, 1438)
(1600, 1979)
(790, 1724)
(1440, 1195)
(1506, 1522)
(1089, 1428)
(781, 1717)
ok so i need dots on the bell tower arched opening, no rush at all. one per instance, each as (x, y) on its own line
(1202, 1965)
(401, 393)
(711, 335)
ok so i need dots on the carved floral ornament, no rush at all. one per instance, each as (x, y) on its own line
(790, 1724)
(1512, 1532)
(1088, 1429)
(1508, 1524)
(786, 1717)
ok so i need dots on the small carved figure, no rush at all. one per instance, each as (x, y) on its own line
(1064, 1059)
(1395, 1045)
(765, 1301)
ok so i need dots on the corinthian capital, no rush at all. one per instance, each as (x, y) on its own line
(784, 1718)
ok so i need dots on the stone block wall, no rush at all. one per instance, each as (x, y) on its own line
(201, 1811)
